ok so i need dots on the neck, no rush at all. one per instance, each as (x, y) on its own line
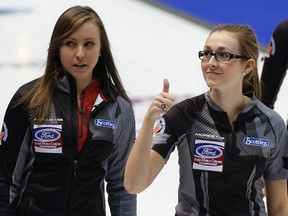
(233, 104)
(81, 86)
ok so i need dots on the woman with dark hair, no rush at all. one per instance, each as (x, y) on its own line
(69, 130)
(230, 145)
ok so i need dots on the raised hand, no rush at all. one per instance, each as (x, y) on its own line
(162, 102)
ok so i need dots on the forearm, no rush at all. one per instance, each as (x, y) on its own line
(277, 200)
(144, 164)
(282, 211)
(138, 165)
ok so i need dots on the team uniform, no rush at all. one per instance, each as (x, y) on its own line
(275, 65)
(44, 172)
(222, 169)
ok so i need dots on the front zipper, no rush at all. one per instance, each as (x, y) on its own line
(75, 168)
(74, 124)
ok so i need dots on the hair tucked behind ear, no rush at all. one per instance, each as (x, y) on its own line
(249, 47)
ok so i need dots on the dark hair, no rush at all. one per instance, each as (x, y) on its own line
(70, 21)
(249, 47)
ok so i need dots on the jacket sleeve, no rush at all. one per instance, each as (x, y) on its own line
(275, 66)
(120, 201)
(12, 156)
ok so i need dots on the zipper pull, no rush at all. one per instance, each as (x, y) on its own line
(75, 168)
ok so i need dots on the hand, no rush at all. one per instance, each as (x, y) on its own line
(162, 102)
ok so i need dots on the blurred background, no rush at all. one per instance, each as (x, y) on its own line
(150, 40)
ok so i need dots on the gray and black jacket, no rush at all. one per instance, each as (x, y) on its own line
(223, 168)
(41, 171)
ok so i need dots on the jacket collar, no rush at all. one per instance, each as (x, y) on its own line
(67, 84)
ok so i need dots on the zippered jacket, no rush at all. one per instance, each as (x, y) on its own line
(41, 171)
(223, 168)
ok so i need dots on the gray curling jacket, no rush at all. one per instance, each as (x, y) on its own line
(41, 171)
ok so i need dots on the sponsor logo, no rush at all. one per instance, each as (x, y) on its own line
(209, 136)
(209, 151)
(105, 123)
(3, 133)
(271, 47)
(1, 136)
(47, 135)
(160, 127)
(157, 128)
(255, 142)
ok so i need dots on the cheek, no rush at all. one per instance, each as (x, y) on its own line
(97, 52)
(203, 66)
(65, 59)
(64, 54)
(95, 56)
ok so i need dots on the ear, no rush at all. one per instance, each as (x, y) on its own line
(250, 64)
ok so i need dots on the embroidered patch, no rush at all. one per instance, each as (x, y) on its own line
(3, 133)
(256, 142)
(105, 123)
(208, 155)
(159, 127)
(47, 138)
(271, 47)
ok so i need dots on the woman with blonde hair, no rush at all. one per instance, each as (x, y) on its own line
(230, 145)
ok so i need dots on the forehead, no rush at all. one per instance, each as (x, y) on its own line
(87, 29)
(222, 40)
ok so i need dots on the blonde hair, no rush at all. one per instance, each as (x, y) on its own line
(249, 47)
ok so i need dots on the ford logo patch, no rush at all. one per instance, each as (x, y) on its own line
(47, 135)
(209, 151)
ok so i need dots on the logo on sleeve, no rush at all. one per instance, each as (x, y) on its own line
(3, 133)
(159, 127)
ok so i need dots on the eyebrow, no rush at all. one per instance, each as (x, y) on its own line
(219, 49)
(87, 39)
(91, 38)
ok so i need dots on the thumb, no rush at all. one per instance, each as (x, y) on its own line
(165, 85)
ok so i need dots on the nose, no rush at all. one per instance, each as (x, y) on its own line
(212, 61)
(80, 52)
(213, 58)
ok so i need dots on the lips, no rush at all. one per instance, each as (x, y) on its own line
(212, 72)
(79, 65)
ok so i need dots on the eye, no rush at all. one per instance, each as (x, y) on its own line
(69, 43)
(224, 55)
(89, 44)
(206, 54)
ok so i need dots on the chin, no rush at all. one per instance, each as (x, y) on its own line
(211, 84)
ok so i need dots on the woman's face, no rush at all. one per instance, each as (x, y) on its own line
(80, 52)
(223, 75)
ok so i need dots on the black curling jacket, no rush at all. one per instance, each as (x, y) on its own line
(41, 171)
